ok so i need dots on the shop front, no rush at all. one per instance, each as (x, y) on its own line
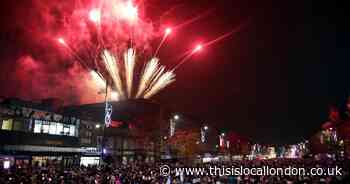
(27, 155)
(90, 156)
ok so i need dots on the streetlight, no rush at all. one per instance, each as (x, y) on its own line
(176, 117)
(205, 127)
(203, 133)
(173, 124)
(97, 125)
(222, 139)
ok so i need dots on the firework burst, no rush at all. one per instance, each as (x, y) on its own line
(113, 71)
(105, 41)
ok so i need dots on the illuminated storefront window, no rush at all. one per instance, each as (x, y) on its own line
(66, 129)
(71, 130)
(53, 128)
(86, 161)
(43, 160)
(37, 126)
(45, 127)
(18, 125)
(59, 128)
(7, 124)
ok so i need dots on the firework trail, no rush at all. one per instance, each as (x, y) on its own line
(153, 79)
(163, 81)
(147, 75)
(113, 70)
(100, 83)
(158, 73)
(188, 55)
(129, 63)
(227, 34)
(103, 30)
(166, 34)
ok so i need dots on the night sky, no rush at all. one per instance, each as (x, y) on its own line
(273, 81)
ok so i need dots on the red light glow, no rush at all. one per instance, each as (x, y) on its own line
(61, 41)
(198, 48)
(167, 31)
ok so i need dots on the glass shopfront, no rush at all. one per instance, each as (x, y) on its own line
(54, 128)
(89, 161)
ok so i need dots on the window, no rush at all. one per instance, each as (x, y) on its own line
(37, 126)
(86, 161)
(66, 130)
(72, 130)
(52, 129)
(59, 129)
(45, 127)
(7, 124)
(18, 125)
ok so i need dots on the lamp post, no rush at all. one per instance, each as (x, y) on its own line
(203, 133)
(107, 122)
(173, 124)
(222, 140)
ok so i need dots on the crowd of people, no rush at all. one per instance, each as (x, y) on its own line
(143, 173)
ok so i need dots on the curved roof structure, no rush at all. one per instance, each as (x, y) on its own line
(122, 110)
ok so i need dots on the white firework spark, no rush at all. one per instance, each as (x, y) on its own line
(148, 74)
(163, 81)
(129, 64)
(154, 76)
(113, 70)
(100, 83)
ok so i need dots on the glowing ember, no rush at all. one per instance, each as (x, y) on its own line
(61, 41)
(198, 48)
(167, 31)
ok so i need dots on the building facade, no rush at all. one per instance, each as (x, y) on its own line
(34, 134)
(134, 133)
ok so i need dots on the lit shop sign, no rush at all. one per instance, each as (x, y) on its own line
(37, 114)
(90, 150)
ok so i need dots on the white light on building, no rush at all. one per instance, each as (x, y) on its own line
(108, 114)
(6, 164)
(202, 135)
(172, 127)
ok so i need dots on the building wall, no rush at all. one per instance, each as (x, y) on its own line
(28, 134)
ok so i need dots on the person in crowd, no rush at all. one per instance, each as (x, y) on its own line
(145, 173)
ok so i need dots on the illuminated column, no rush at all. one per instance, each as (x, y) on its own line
(222, 140)
(108, 114)
(203, 133)
(108, 109)
(172, 127)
